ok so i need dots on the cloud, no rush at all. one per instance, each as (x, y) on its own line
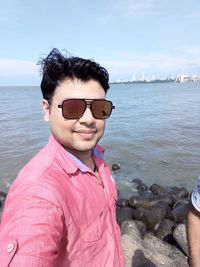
(158, 64)
(17, 67)
(18, 72)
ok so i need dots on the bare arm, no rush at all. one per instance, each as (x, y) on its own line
(193, 232)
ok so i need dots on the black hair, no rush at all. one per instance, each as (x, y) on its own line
(56, 67)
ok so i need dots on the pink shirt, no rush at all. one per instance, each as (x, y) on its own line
(57, 214)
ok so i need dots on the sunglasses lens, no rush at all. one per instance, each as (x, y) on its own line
(73, 108)
(101, 109)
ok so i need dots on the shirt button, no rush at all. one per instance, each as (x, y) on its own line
(10, 247)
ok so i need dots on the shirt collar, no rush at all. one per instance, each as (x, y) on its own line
(68, 161)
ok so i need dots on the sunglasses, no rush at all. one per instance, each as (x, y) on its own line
(75, 108)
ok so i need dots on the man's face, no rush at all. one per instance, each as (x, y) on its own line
(76, 135)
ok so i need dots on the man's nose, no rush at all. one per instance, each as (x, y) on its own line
(87, 116)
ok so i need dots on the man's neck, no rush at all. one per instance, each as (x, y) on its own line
(84, 156)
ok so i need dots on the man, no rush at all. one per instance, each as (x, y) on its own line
(193, 229)
(60, 211)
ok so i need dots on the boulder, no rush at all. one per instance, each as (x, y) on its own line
(180, 236)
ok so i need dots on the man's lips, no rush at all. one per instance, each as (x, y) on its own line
(86, 131)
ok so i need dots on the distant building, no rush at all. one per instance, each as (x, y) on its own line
(185, 78)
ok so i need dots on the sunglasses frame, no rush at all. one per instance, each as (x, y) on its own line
(88, 103)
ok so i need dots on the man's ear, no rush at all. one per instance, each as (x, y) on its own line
(46, 109)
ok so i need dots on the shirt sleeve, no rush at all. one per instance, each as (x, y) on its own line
(31, 229)
(195, 196)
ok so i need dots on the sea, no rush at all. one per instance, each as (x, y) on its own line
(153, 133)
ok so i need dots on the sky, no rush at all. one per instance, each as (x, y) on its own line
(130, 38)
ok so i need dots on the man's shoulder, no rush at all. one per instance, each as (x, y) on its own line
(38, 164)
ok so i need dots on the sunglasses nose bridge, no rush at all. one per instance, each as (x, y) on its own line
(87, 115)
(88, 105)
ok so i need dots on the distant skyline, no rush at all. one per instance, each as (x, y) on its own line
(128, 37)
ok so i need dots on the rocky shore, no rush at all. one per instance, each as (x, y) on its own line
(153, 226)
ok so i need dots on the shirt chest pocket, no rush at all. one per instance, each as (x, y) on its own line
(95, 230)
(93, 239)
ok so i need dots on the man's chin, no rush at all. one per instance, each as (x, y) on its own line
(80, 148)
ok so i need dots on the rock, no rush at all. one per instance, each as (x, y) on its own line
(124, 214)
(165, 231)
(147, 201)
(137, 181)
(141, 227)
(130, 228)
(116, 166)
(3, 194)
(180, 236)
(157, 190)
(139, 185)
(152, 217)
(164, 162)
(142, 187)
(2, 198)
(141, 258)
(151, 237)
(122, 202)
(155, 216)
(136, 255)
(178, 193)
(140, 202)
(129, 248)
(159, 247)
(179, 213)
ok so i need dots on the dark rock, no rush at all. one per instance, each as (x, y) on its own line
(164, 162)
(157, 190)
(165, 231)
(155, 216)
(151, 217)
(2, 200)
(147, 201)
(139, 185)
(179, 213)
(115, 166)
(178, 193)
(137, 181)
(139, 259)
(3, 194)
(142, 187)
(139, 214)
(139, 202)
(124, 214)
(122, 202)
